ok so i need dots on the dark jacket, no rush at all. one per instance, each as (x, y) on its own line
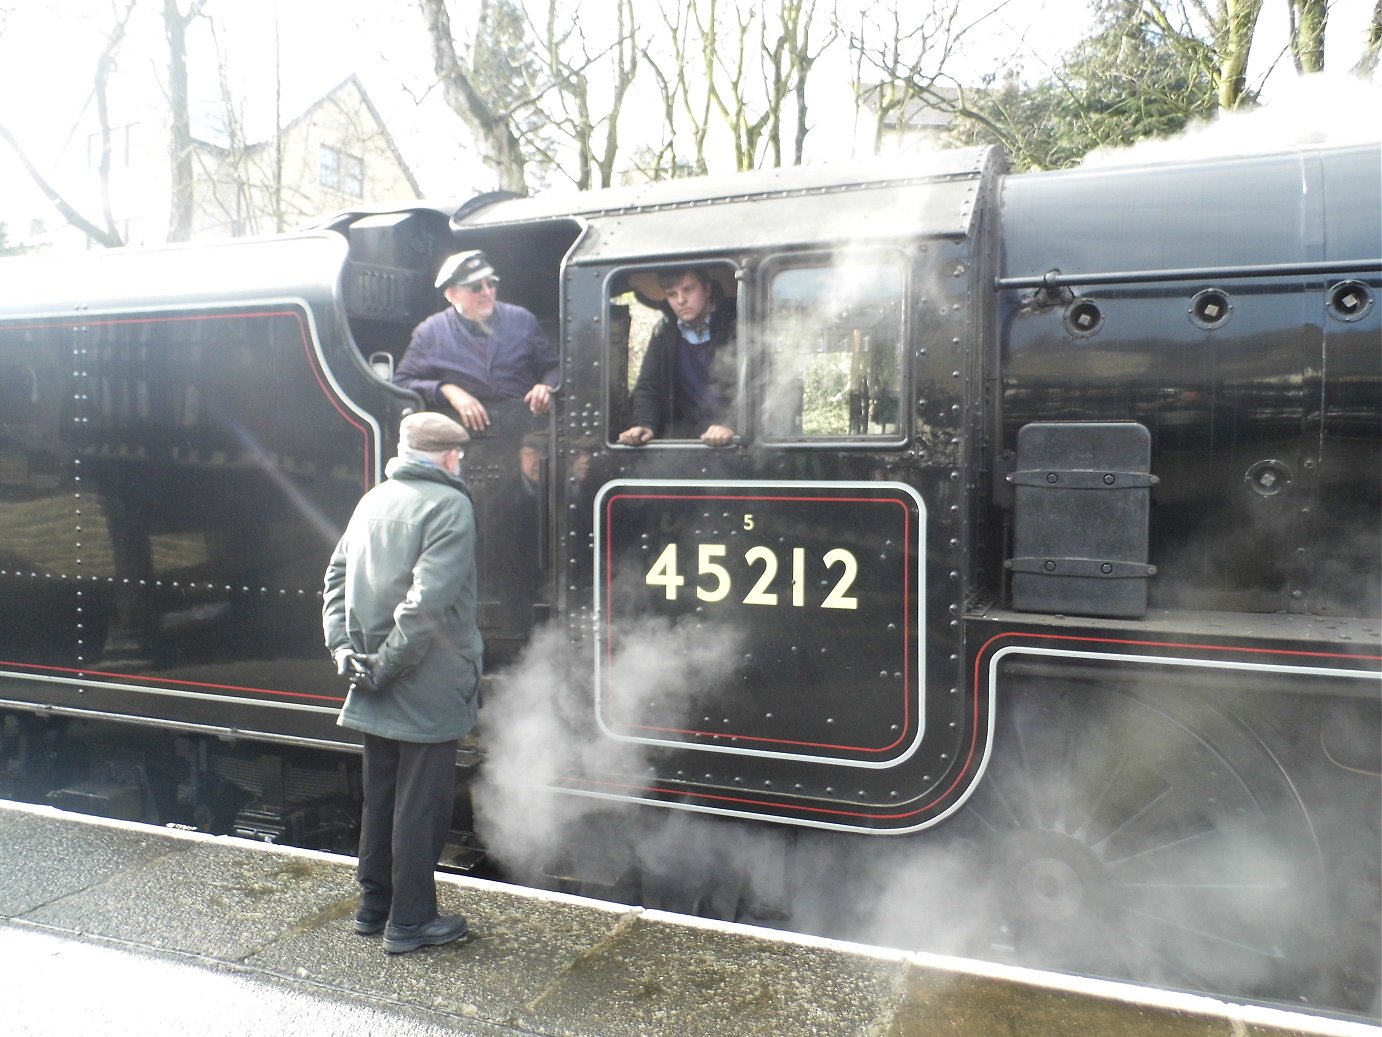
(401, 583)
(659, 404)
(503, 365)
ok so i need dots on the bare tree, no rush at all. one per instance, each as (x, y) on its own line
(569, 63)
(626, 68)
(778, 69)
(491, 125)
(106, 235)
(175, 25)
(689, 26)
(658, 160)
(798, 16)
(900, 60)
(1367, 63)
(241, 184)
(104, 65)
(735, 64)
(731, 99)
(1308, 20)
(1219, 41)
(237, 204)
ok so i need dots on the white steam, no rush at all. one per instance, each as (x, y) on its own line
(540, 731)
(1324, 109)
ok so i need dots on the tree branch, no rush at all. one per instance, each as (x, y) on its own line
(101, 236)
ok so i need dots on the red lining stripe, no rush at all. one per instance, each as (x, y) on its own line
(983, 652)
(717, 736)
(172, 681)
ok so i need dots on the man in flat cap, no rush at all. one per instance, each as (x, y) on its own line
(478, 350)
(399, 618)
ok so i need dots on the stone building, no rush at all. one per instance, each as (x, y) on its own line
(337, 154)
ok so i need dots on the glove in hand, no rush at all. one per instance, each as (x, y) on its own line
(366, 672)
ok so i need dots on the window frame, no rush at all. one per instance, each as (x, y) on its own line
(333, 174)
(622, 274)
(775, 265)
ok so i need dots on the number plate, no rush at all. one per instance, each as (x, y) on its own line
(767, 619)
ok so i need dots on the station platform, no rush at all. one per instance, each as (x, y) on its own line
(110, 928)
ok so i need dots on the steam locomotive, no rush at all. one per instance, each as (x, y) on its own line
(1033, 612)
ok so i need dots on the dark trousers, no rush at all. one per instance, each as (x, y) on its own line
(409, 789)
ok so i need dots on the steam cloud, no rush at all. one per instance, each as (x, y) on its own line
(1323, 109)
(1163, 902)
(539, 727)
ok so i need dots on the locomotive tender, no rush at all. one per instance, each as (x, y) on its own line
(1052, 533)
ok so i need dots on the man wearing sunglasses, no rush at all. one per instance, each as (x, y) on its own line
(478, 350)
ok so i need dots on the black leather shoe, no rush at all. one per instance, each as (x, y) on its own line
(367, 923)
(400, 939)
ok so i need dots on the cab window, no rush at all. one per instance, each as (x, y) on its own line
(833, 343)
(678, 397)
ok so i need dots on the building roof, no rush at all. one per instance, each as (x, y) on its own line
(350, 83)
(931, 111)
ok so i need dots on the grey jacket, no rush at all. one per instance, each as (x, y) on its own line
(401, 583)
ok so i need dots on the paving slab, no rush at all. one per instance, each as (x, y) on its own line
(518, 946)
(122, 990)
(949, 997)
(940, 1003)
(39, 866)
(218, 899)
(660, 973)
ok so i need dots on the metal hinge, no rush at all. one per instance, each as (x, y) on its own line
(1095, 568)
(1082, 479)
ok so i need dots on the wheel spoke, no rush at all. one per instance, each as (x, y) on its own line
(1149, 840)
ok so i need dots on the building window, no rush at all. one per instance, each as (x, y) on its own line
(341, 171)
(123, 143)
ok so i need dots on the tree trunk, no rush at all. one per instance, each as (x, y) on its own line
(493, 131)
(626, 66)
(108, 238)
(180, 133)
(1367, 64)
(1307, 38)
(1240, 21)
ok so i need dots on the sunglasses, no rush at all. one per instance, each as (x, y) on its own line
(480, 286)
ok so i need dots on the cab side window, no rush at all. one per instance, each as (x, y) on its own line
(674, 352)
(833, 341)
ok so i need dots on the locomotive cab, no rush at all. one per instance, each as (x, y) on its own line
(765, 629)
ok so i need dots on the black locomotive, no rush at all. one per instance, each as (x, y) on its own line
(1033, 614)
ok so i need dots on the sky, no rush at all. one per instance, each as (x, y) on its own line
(48, 50)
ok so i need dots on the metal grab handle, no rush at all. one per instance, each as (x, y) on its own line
(382, 364)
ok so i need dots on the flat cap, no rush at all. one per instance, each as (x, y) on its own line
(430, 433)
